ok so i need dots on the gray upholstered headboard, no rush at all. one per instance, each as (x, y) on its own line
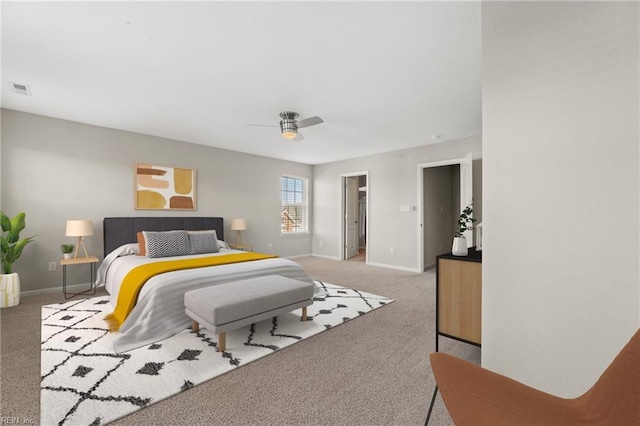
(123, 230)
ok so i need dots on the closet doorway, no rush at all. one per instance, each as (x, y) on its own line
(355, 209)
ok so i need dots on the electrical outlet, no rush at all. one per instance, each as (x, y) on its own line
(270, 246)
(392, 251)
(321, 243)
(53, 266)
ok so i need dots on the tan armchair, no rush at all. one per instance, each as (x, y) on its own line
(476, 396)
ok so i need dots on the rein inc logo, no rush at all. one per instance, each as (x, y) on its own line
(6, 420)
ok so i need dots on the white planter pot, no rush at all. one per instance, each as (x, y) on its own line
(9, 290)
(67, 255)
(459, 246)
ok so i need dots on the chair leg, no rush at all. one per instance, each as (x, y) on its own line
(433, 399)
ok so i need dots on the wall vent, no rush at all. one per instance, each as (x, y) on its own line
(21, 89)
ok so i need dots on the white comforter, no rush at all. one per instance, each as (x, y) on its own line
(159, 311)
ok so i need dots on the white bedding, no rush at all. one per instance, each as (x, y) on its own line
(159, 311)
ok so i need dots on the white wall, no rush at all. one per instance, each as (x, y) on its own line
(1, 110)
(56, 170)
(392, 182)
(561, 189)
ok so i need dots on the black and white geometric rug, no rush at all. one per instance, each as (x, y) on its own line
(85, 383)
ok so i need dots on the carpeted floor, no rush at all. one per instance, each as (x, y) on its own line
(85, 382)
(373, 371)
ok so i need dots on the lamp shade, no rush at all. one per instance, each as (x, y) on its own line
(238, 225)
(79, 228)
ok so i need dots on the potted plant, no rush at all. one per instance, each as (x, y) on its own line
(465, 223)
(11, 246)
(67, 249)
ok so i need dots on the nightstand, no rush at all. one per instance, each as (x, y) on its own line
(91, 260)
(243, 247)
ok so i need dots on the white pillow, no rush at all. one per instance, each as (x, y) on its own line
(223, 245)
(128, 249)
(123, 250)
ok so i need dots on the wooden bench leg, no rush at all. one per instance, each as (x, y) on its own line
(304, 314)
(222, 342)
(195, 326)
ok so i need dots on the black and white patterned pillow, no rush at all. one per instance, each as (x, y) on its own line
(203, 242)
(165, 244)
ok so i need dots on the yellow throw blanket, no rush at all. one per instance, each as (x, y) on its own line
(138, 276)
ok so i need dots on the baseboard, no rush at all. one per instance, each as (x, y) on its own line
(298, 255)
(380, 265)
(70, 289)
(399, 268)
(79, 287)
(325, 256)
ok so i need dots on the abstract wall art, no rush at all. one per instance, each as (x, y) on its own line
(164, 188)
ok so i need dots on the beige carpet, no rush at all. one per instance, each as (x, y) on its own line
(371, 371)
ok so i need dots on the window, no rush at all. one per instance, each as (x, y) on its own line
(294, 204)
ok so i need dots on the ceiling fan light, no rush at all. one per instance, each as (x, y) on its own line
(288, 128)
(289, 134)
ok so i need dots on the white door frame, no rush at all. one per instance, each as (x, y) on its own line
(342, 238)
(466, 192)
(352, 216)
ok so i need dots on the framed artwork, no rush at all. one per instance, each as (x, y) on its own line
(164, 188)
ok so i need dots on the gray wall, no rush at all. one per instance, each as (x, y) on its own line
(393, 181)
(561, 153)
(55, 170)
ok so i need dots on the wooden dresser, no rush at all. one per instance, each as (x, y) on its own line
(459, 297)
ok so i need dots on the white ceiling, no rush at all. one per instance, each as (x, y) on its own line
(382, 75)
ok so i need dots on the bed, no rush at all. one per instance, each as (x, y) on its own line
(159, 309)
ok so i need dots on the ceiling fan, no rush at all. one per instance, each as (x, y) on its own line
(289, 124)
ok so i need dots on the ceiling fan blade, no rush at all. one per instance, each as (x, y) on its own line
(261, 125)
(311, 121)
(298, 137)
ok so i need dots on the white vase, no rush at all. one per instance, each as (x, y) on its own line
(9, 290)
(459, 246)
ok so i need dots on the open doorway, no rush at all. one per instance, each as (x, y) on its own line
(355, 208)
(441, 208)
(448, 187)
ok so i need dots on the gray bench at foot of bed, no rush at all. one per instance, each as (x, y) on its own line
(225, 307)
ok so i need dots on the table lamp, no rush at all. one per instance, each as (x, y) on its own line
(79, 228)
(239, 225)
